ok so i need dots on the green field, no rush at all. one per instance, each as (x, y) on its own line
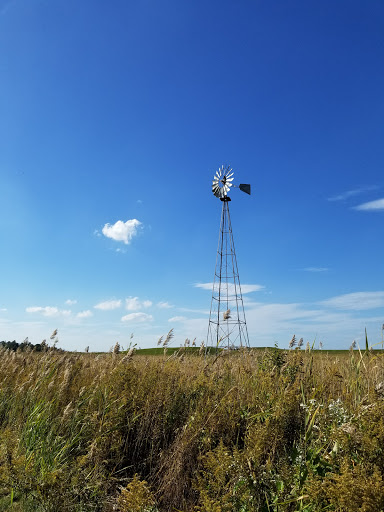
(258, 430)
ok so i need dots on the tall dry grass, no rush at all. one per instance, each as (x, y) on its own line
(247, 431)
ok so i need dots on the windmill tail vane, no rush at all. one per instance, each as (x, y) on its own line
(227, 325)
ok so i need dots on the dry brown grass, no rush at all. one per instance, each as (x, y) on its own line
(269, 431)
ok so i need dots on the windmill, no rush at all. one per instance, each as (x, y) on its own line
(227, 326)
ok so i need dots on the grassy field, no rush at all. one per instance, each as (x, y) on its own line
(261, 430)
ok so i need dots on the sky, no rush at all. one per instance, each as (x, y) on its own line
(114, 117)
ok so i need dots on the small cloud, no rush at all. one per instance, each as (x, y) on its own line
(134, 304)
(3, 310)
(108, 305)
(97, 232)
(351, 193)
(48, 311)
(137, 317)
(377, 205)
(84, 314)
(356, 301)
(71, 302)
(122, 231)
(177, 319)
(164, 305)
(245, 288)
(139, 201)
(315, 269)
(196, 311)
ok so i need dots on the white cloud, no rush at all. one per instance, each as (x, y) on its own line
(270, 323)
(357, 301)
(194, 310)
(371, 206)
(245, 288)
(71, 302)
(84, 314)
(134, 304)
(351, 193)
(122, 231)
(164, 305)
(178, 319)
(137, 317)
(108, 305)
(48, 311)
(3, 310)
(315, 269)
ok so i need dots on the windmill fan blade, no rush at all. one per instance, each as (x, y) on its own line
(222, 182)
(245, 188)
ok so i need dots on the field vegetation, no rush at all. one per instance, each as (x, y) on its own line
(267, 430)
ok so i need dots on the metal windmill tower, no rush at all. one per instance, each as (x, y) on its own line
(227, 325)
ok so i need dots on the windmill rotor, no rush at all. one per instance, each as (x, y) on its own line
(222, 183)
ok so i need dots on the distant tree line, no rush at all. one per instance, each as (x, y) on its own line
(26, 345)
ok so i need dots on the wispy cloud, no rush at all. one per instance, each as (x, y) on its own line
(352, 193)
(277, 322)
(108, 305)
(315, 269)
(245, 288)
(71, 302)
(137, 317)
(164, 305)
(377, 205)
(85, 314)
(194, 310)
(122, 231)
(357, 301)
(4, 8)
(177, 319)
(134, 304)
(3, 310)
(48, 311)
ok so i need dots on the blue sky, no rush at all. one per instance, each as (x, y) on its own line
(114, 117)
